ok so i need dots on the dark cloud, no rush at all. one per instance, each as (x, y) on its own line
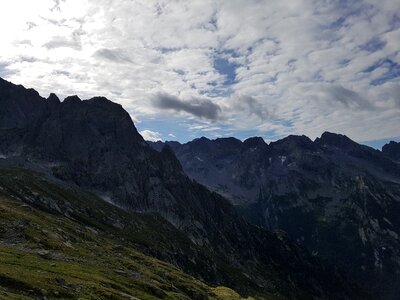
(61, 72)
(56, 5)
(29, 59)
(347, 97)
(59, 41)
(115, 55)
(30, 25)
(247, 105)
(391, 94)
(56, 22)
(254, 107)
(4, 71)
(23, 42)
(200, 108)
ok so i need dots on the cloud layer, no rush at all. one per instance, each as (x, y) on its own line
(216, 68)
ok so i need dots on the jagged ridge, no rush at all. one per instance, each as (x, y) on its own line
(338, 198)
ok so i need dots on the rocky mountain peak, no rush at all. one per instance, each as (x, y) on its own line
(201, 144)
(19, 106)
(295, 140)
(72, 129)
(53, 98)
(254, 142)
(336, 140)
(292, 144)
(392, 150)
(201, 140)
(72, 100)
(228, 142)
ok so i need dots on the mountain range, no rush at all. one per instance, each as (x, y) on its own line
(82, 193)
(337, 198)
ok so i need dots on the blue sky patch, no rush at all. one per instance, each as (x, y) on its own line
(165, 127)
(226, 68)
(337, 24)
(373, 45)
(393, 71)
(344, 62)
(378, 144)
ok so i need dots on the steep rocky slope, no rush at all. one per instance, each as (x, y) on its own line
(338, 198)
(63, 243)
(94, 145)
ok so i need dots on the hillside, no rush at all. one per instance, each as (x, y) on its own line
(65, 243)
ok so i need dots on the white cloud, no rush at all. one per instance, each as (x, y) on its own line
(149, 135)
(299, 66)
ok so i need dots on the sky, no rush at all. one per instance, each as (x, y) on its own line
(185, 69)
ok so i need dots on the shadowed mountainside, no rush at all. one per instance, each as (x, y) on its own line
(338, 198)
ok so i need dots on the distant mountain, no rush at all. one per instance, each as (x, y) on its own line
(94, 145)
(338, 198)
(392, 150)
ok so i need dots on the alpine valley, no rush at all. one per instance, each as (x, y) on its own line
(89, 210)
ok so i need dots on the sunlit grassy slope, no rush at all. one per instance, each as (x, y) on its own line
(58, 242)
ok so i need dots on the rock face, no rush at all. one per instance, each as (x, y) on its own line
(338, 198)
(93, 144)
(392, 150)
(19, 106)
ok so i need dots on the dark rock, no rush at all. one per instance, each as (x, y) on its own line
(19, 107)
(254, 142)
(72, 100)
(392, 150)
(334, 139)
(44, 254)
(53, 100)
